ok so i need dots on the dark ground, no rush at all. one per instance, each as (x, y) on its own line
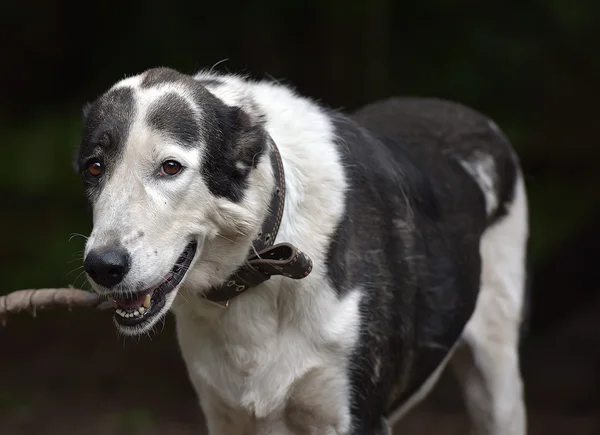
(72, 375)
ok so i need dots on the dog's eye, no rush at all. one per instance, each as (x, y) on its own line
(94, 168)
(170, 167)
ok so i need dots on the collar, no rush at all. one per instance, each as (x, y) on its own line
(265, 259)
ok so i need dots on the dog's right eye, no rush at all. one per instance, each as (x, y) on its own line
(94, 168)
(170, 168)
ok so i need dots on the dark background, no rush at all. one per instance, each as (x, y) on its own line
(533, 66)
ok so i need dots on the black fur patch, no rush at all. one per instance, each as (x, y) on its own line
(210, 82)
(410, 240)
(373, 428)
(158, 76)
(233, 138)
(174, 116)
(106, 128)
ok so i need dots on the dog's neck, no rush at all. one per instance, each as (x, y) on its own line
(264, 258)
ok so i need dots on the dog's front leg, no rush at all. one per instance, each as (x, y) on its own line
(221, 419)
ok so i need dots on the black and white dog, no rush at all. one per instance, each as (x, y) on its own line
(322, 268)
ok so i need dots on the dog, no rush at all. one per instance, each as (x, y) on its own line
(323, 267)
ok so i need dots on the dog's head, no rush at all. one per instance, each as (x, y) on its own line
(179, 183)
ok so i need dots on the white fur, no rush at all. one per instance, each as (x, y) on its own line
(488, 365)
(250, 356)
(482, 169)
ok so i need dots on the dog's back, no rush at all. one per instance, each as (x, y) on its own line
(434, 130)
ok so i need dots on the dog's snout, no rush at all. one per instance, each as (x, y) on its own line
(108, 266)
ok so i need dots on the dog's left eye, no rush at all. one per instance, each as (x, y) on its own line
(170, 167)
(94, 168)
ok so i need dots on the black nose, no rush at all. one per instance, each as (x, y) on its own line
(107, 266)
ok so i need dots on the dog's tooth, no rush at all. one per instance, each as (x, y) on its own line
(120, 312)
(136, 313)
(147, 301)
(141, 310)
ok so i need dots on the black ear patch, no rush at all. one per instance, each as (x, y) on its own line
(247, 138)
(235, 145)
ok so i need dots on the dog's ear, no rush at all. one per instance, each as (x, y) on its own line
(247, 137)
(236, 144)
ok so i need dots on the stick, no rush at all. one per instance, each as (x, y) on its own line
(37, 299)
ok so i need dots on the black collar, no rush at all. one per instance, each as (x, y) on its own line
(265, 259)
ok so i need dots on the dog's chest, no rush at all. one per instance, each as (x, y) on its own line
(254, 354)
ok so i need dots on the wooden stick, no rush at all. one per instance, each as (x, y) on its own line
(37, 299)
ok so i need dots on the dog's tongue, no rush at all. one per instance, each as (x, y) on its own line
(141, 300)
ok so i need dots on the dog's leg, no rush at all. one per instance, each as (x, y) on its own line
(220, 418)
(487, 361)
(319, 403)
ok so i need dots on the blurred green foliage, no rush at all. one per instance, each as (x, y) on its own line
(135, 420)
(13, 400)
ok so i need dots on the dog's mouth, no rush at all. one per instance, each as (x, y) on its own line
(144, 305)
